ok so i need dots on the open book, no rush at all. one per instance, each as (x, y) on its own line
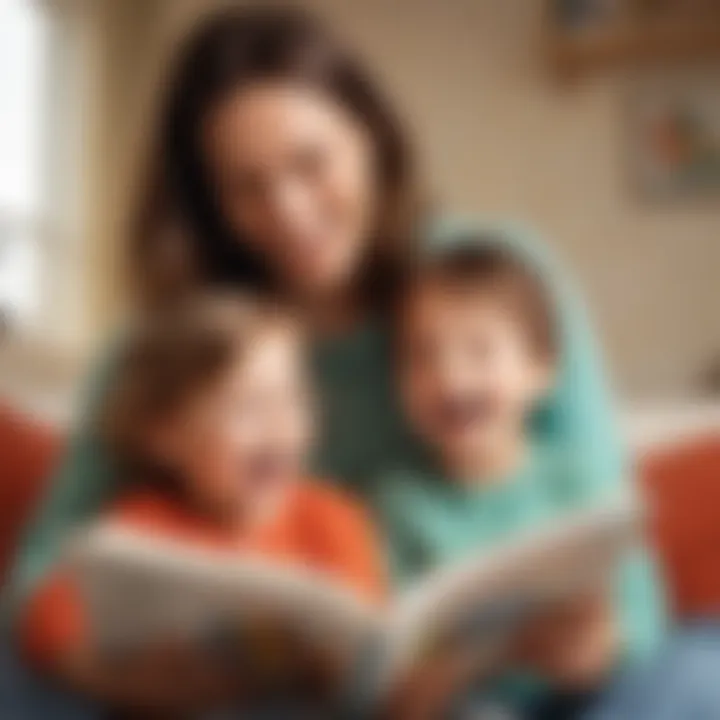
(138, 587)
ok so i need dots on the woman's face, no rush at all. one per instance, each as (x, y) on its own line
(295, 176)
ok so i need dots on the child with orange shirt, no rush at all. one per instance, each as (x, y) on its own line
(212, 418)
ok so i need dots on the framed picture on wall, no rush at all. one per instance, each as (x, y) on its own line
(674, 137)
(578, 15)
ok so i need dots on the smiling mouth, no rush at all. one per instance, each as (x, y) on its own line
(457, 414)
(267, 467)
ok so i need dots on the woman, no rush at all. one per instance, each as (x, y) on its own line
(280, 167)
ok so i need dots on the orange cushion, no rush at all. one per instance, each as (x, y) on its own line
(28, 451)
(683, 485)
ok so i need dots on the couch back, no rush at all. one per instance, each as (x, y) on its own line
(682, 484)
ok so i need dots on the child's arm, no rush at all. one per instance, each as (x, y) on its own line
(432, 688)
(55, 638)
(429, 691)
(575, 645)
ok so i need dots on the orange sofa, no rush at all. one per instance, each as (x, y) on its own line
(28, 452)
(682, 484)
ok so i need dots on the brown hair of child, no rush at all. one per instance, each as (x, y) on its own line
(171, 358)
(482, 265)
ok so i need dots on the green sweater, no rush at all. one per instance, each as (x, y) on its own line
(431, 521)
(361, 431)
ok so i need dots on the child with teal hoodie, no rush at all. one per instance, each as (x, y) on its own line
(481, 359)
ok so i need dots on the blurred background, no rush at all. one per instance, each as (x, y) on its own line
(597, 122)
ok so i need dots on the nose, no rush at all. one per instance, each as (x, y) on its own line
(293, 208)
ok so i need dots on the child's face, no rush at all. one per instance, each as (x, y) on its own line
(241, 442)
(469, 374)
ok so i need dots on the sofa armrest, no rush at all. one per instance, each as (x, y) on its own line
(682, 484)
(29, 450)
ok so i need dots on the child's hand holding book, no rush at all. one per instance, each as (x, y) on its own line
(574, 644)
(431, 687)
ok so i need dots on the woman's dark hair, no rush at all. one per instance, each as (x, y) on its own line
(180, 238)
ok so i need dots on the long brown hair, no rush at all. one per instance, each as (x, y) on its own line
(180, 237)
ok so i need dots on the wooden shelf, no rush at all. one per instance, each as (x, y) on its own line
(575, 53)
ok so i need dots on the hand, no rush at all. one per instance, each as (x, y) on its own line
(430, 688)
(574, 644)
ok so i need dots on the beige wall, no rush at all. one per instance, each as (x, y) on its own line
(499, 137)
(129, 34)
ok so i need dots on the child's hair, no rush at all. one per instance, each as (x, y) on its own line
(172, 357)
(481, 264)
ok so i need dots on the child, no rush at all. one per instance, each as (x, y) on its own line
(478, 347)
(212, 420)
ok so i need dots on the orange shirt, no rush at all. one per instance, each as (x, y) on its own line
(317, 526)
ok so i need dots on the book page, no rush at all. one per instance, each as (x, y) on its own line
(249, 612)
(481, 601)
